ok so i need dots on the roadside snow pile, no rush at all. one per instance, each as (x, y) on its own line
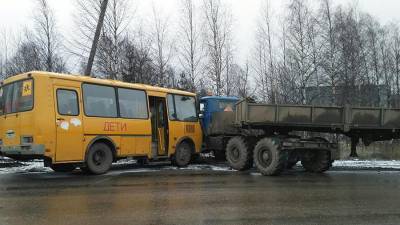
(158, 168)
(208, 167)
(31, 167)
(125, 162)
(367, 164)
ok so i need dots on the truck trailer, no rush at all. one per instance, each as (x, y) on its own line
(264, 135)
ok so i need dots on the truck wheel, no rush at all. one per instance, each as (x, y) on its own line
(63, 168)
(269, 159)
(183, 155)
(292, 160)
(238, 154)
(317, 161)
(99, 159)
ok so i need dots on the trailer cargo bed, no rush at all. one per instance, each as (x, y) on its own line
(368, 123)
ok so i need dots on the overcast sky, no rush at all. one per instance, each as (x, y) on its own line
(17, 14)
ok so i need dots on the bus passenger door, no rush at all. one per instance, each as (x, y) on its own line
(159, 125)
(69, 129)
(162, 127)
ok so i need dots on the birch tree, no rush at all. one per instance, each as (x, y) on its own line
(47, 38)
(264, 59)
(216, 37)
(163, 48)
(191, 55)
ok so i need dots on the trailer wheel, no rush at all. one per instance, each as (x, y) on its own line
(238, 154)
(63, 168)
(317, 161)
(268, 157)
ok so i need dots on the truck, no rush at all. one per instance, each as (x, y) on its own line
(266, 135)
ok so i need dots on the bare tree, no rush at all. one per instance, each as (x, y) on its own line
(137, 64)
(116, 21)
(264, 59)
(162, 49)
(395, 45)
(215, 39)
(4, 46)
(300, 40)
(47, 38)
(190, 51)
(229, 59)
(242, 83)
(27, 57)
(330, 50)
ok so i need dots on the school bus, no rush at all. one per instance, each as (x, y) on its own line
(75, 121)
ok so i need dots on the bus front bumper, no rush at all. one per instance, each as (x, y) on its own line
(23, 152)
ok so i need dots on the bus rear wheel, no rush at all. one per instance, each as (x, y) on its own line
(238, 154)
(183, 155)
(99, 159)
(63, 168)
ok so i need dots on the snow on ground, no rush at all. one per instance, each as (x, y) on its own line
(367, 164)
(130, 166)
(35, 166)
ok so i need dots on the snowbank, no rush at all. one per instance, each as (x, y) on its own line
(367, 164)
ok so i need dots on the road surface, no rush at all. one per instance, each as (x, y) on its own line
(200, 196)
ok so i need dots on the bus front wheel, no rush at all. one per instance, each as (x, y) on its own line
(99, 158)
(183, 155)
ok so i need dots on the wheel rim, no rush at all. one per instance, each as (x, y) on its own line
(184, 155)
(265, 157)
(235, 154)
(99, 157)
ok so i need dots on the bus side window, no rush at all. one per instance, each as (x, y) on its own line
(67, 102)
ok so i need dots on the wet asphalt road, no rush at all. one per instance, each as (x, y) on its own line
(200, 197)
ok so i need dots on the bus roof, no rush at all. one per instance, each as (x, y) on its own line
(88, 79)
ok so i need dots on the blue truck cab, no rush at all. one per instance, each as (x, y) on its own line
(212, 104)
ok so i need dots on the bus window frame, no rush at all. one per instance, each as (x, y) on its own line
(77, 99)
(12, 98)
(84, 102)
(147, 103)
(174, 104)
(116, 99)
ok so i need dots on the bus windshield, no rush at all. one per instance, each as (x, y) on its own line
(16, 97)
(182, 108)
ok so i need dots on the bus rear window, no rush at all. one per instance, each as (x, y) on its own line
(16, 97)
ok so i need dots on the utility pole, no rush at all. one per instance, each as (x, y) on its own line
(89, 66)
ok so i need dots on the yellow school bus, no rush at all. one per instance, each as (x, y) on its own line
(78, 121)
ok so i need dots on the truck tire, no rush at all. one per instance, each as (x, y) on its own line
(183, 155)
(99, 159)
(317, 161)
(292, 160)
(63, 168)
(268, 157)
(238, 154)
